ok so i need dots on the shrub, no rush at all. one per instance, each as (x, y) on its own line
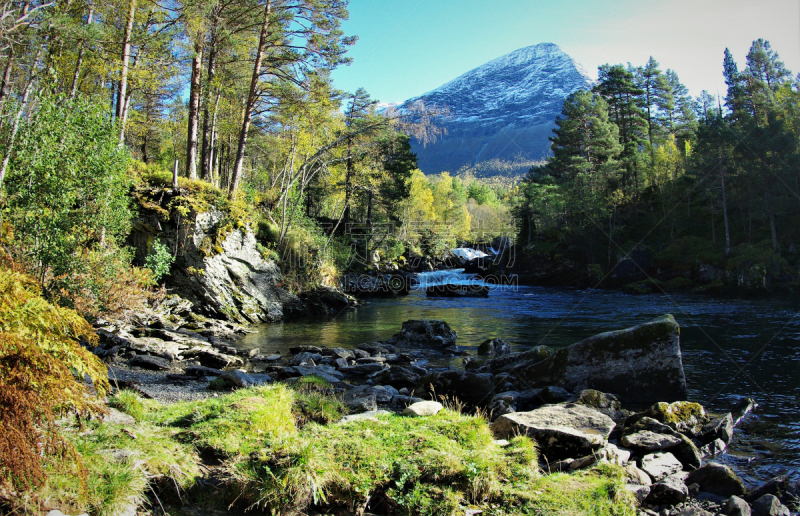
(66, 190)
(42, 368)
(159, 260)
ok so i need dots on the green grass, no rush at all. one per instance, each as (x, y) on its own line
(279, 448)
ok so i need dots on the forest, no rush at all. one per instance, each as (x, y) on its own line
(638, 164)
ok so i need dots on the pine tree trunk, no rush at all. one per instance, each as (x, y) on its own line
(194, 109)
(771, 215)
(725, 212)
(236, 176)
(205, 150)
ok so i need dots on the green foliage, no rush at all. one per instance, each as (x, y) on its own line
(125, 466)
(159, 260)
(66, 190)
(42, 367)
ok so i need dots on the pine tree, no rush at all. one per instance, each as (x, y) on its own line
(733, 79)
(624, 98)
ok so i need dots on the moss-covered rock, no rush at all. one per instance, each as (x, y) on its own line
(682, 415)
(642, 364)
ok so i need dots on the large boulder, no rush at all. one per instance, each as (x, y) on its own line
(718, 479)
(561, 431)
(640, 364)
(425, 333)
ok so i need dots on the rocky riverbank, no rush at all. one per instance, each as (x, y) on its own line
(617, 397)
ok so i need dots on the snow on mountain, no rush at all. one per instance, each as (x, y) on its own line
(502, 110)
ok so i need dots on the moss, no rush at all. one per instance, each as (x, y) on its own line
(278, 449)
(677, 412)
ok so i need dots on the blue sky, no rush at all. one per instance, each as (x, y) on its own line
(408, 47)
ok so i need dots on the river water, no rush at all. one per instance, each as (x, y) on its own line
(731, 348)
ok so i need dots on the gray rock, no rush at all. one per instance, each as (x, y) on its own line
(719, 428)
(494, 348)
(210, 357)
(713, 448)
(371, 367)
(237, 378)
(150, 362)
(200, 371)
(670, 490)
(647, 424)
(687, 453)
(560, 430)
(603, 402)
(648, 441)
(404, 400)
(660, 465)
(305, 358)
(403, 377)
(468, 387)
(553, 394)
(371, 360)
(266, 358)
(769, 505)
(360, 353)
(346, 354)
(718, 479)
(371, 415)
(115, 417)
(423, 408)
(693, 511)
(735, 506)
(425, 333)
(340, 362)
(637, 476)
(361, 399)
(639, 491)
(743, 407)
(774, 486)
(503, 403)
(642, 364)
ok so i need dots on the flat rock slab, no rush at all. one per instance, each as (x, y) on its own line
(150, 362)
(561, 431)
(650, 441)
(660, 465)
(423, 408)
(641, 364)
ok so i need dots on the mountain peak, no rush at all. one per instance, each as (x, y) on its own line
(502, 110)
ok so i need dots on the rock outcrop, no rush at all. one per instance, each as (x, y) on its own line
(218, 267)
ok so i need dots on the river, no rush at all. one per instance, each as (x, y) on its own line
(731, 348)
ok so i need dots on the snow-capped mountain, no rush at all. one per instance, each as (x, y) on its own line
(504, 109)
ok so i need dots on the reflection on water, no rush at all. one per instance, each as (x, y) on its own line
(732, 348)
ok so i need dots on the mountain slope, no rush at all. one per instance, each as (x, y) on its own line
(501, 111)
